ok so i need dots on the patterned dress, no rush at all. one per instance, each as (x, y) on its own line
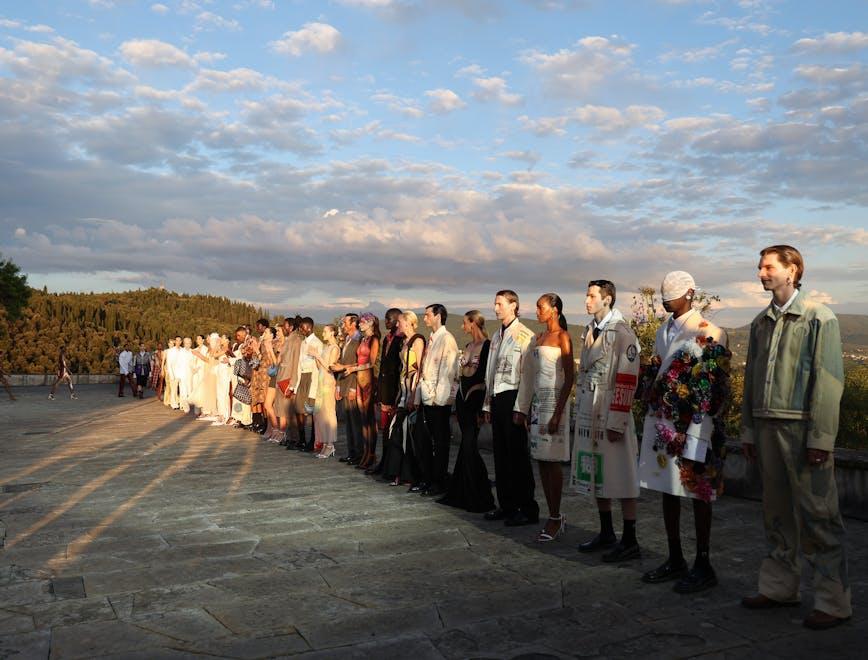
(259, 382)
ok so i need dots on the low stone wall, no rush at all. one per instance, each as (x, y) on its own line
(742, 479)
(22, 380)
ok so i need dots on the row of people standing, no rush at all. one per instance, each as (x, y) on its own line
(521, 384)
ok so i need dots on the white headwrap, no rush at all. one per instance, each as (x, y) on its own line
(676, 284)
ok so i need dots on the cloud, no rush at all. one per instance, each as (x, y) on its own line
(234, 80)
(312, 37)
(495, 89)
(529, 157)
(443, 101)
(152, 53)
(207, 20)
(23, 25)
(606, 119)
(470, 71)
(368, 4)
(159, 8)
(697, 55)
(833, 42)
(404, 106)
(581, 70)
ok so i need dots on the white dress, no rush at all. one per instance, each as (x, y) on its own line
(548, 380)
(224, 382)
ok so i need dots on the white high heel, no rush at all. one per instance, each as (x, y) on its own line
(326, 454)
(545, 537)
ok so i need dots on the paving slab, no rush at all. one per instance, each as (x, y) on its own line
(132, 531)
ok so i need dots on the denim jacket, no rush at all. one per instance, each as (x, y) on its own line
(795, 371)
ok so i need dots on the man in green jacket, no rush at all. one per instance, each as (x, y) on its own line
(793, 382)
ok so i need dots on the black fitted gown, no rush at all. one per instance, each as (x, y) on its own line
(469, 488)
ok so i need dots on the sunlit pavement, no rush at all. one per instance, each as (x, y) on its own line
(130, 530)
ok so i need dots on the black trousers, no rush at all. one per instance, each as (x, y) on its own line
(439, 439)
(353, 422)
(513, 472)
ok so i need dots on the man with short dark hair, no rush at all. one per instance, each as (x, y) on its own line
(346, 389)
(793, 381)
(306, 382)
(389, 380)
(286, 375)
(605, 449)
(125, 367)
(438, 384)
(513, 471)
(142, 368)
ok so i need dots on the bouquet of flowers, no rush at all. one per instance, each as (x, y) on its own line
(695, 384)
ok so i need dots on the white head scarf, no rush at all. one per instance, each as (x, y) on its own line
(676, 284)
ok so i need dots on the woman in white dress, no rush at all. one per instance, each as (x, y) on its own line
(206, 394)
(325, 416)
(546, 382)
(224, 383)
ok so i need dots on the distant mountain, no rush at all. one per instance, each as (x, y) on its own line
(91, 325)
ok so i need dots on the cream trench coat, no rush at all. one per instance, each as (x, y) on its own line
(606, 384)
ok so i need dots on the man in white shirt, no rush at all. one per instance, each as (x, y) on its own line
(512, 467)
(436, 392)
(125, 364)
(306, 382)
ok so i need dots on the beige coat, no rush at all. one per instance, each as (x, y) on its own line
(606, 384)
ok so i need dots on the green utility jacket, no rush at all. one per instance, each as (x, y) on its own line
(795, 371)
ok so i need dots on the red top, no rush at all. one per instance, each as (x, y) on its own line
(363, 353)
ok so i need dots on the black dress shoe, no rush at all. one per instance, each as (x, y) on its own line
(352, 462)
(520, 518)
(668, 570)
(344, 459)
(375, 470)
(698, 578)
(433, 492)
(819, 620)
(418, 488)
(621, 552)
(497, 514)
(599, 542)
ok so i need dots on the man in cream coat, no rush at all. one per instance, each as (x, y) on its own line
(512, 466)
(605, 450)
(436, 392)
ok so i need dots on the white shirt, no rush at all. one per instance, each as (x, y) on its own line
(184, 360)
(601, 324)
(786, 306)
(439, 373)
(125, 362)
(675, 325)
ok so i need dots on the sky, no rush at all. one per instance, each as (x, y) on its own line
(331, 156)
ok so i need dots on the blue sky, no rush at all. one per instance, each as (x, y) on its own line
(323, 156)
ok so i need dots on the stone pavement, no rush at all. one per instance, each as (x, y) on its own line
(131, 531)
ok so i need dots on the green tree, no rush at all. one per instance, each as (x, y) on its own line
(14, 292)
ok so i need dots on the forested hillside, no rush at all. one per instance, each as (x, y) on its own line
(91, 325)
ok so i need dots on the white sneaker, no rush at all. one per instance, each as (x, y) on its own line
(51, 397)
(74, 397)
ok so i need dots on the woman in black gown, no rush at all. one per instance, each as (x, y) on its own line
(469, 487)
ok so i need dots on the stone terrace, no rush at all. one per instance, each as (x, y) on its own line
(130, 531)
